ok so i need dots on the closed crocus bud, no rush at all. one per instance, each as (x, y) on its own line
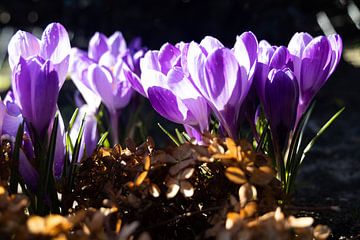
(269, 57)
(314, 60)
(282, 97)
(36, 90)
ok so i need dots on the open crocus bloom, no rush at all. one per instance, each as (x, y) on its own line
(223, 76)
(169, 90)
(99, 73)
(54, 46)
(314, 60)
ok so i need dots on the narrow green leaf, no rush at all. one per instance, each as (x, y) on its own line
(169, 135)
(75, 154)
(180, 136)
(72, 120)
(51, 154)
(320, 132)
(186, 136)
(14, 177)
(102, 139)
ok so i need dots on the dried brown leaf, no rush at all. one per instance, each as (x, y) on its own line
(186, 173)
(154, 190)
(247, 193)
(140, 179)
(147, 163)
(235, 175)
(186, 189)
(321, 232)
(262, 175)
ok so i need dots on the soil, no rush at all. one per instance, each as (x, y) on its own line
(328, 185)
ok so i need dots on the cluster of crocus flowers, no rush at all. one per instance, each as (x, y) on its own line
(185, 83)
(288, 78)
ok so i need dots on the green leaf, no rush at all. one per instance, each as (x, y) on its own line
(102, 139)
(75, 154)
(186, 136)
(180, 136)
(72, 120)
(169, 135)
(14, 166)
(320, 132)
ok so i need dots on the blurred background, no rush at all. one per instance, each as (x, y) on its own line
(329, 183)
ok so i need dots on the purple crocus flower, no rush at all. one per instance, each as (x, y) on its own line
(269, 57)
(314, 60)
(10, 117)
(54, 46)
(223, 76)
(282, 98)
(99, 73)
(170, 91)
(36, 89)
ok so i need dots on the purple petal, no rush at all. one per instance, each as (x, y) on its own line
(59, 156)
(55, 45)
(168, 56)
(222, 77)
(97, 46)
(223, 87)
(337, 47)
(315, 67)
(28, 172)
(245, 50)
(196, 66)
(150, 61)
(210, 44)
(22, 44)
(265, 52)
(117, 44)
(166, 104)
(282, 96)
(134, 81)
(296, 47)
(102, 80)
(37, 89)
(280, 58)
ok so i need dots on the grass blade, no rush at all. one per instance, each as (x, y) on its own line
(169, 135)
(102, 139)
(72, 120)
(320, 132)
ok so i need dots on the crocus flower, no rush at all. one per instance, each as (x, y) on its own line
(36, 89)
(99, 73)
(314, 60)
(10, 117)
(168, 88)
(282, 97)
(54, 46)
(223, 76)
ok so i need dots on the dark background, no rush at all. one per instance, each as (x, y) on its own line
(157, 21)
(328, 187)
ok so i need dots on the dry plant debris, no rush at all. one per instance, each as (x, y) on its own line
(221, 190)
